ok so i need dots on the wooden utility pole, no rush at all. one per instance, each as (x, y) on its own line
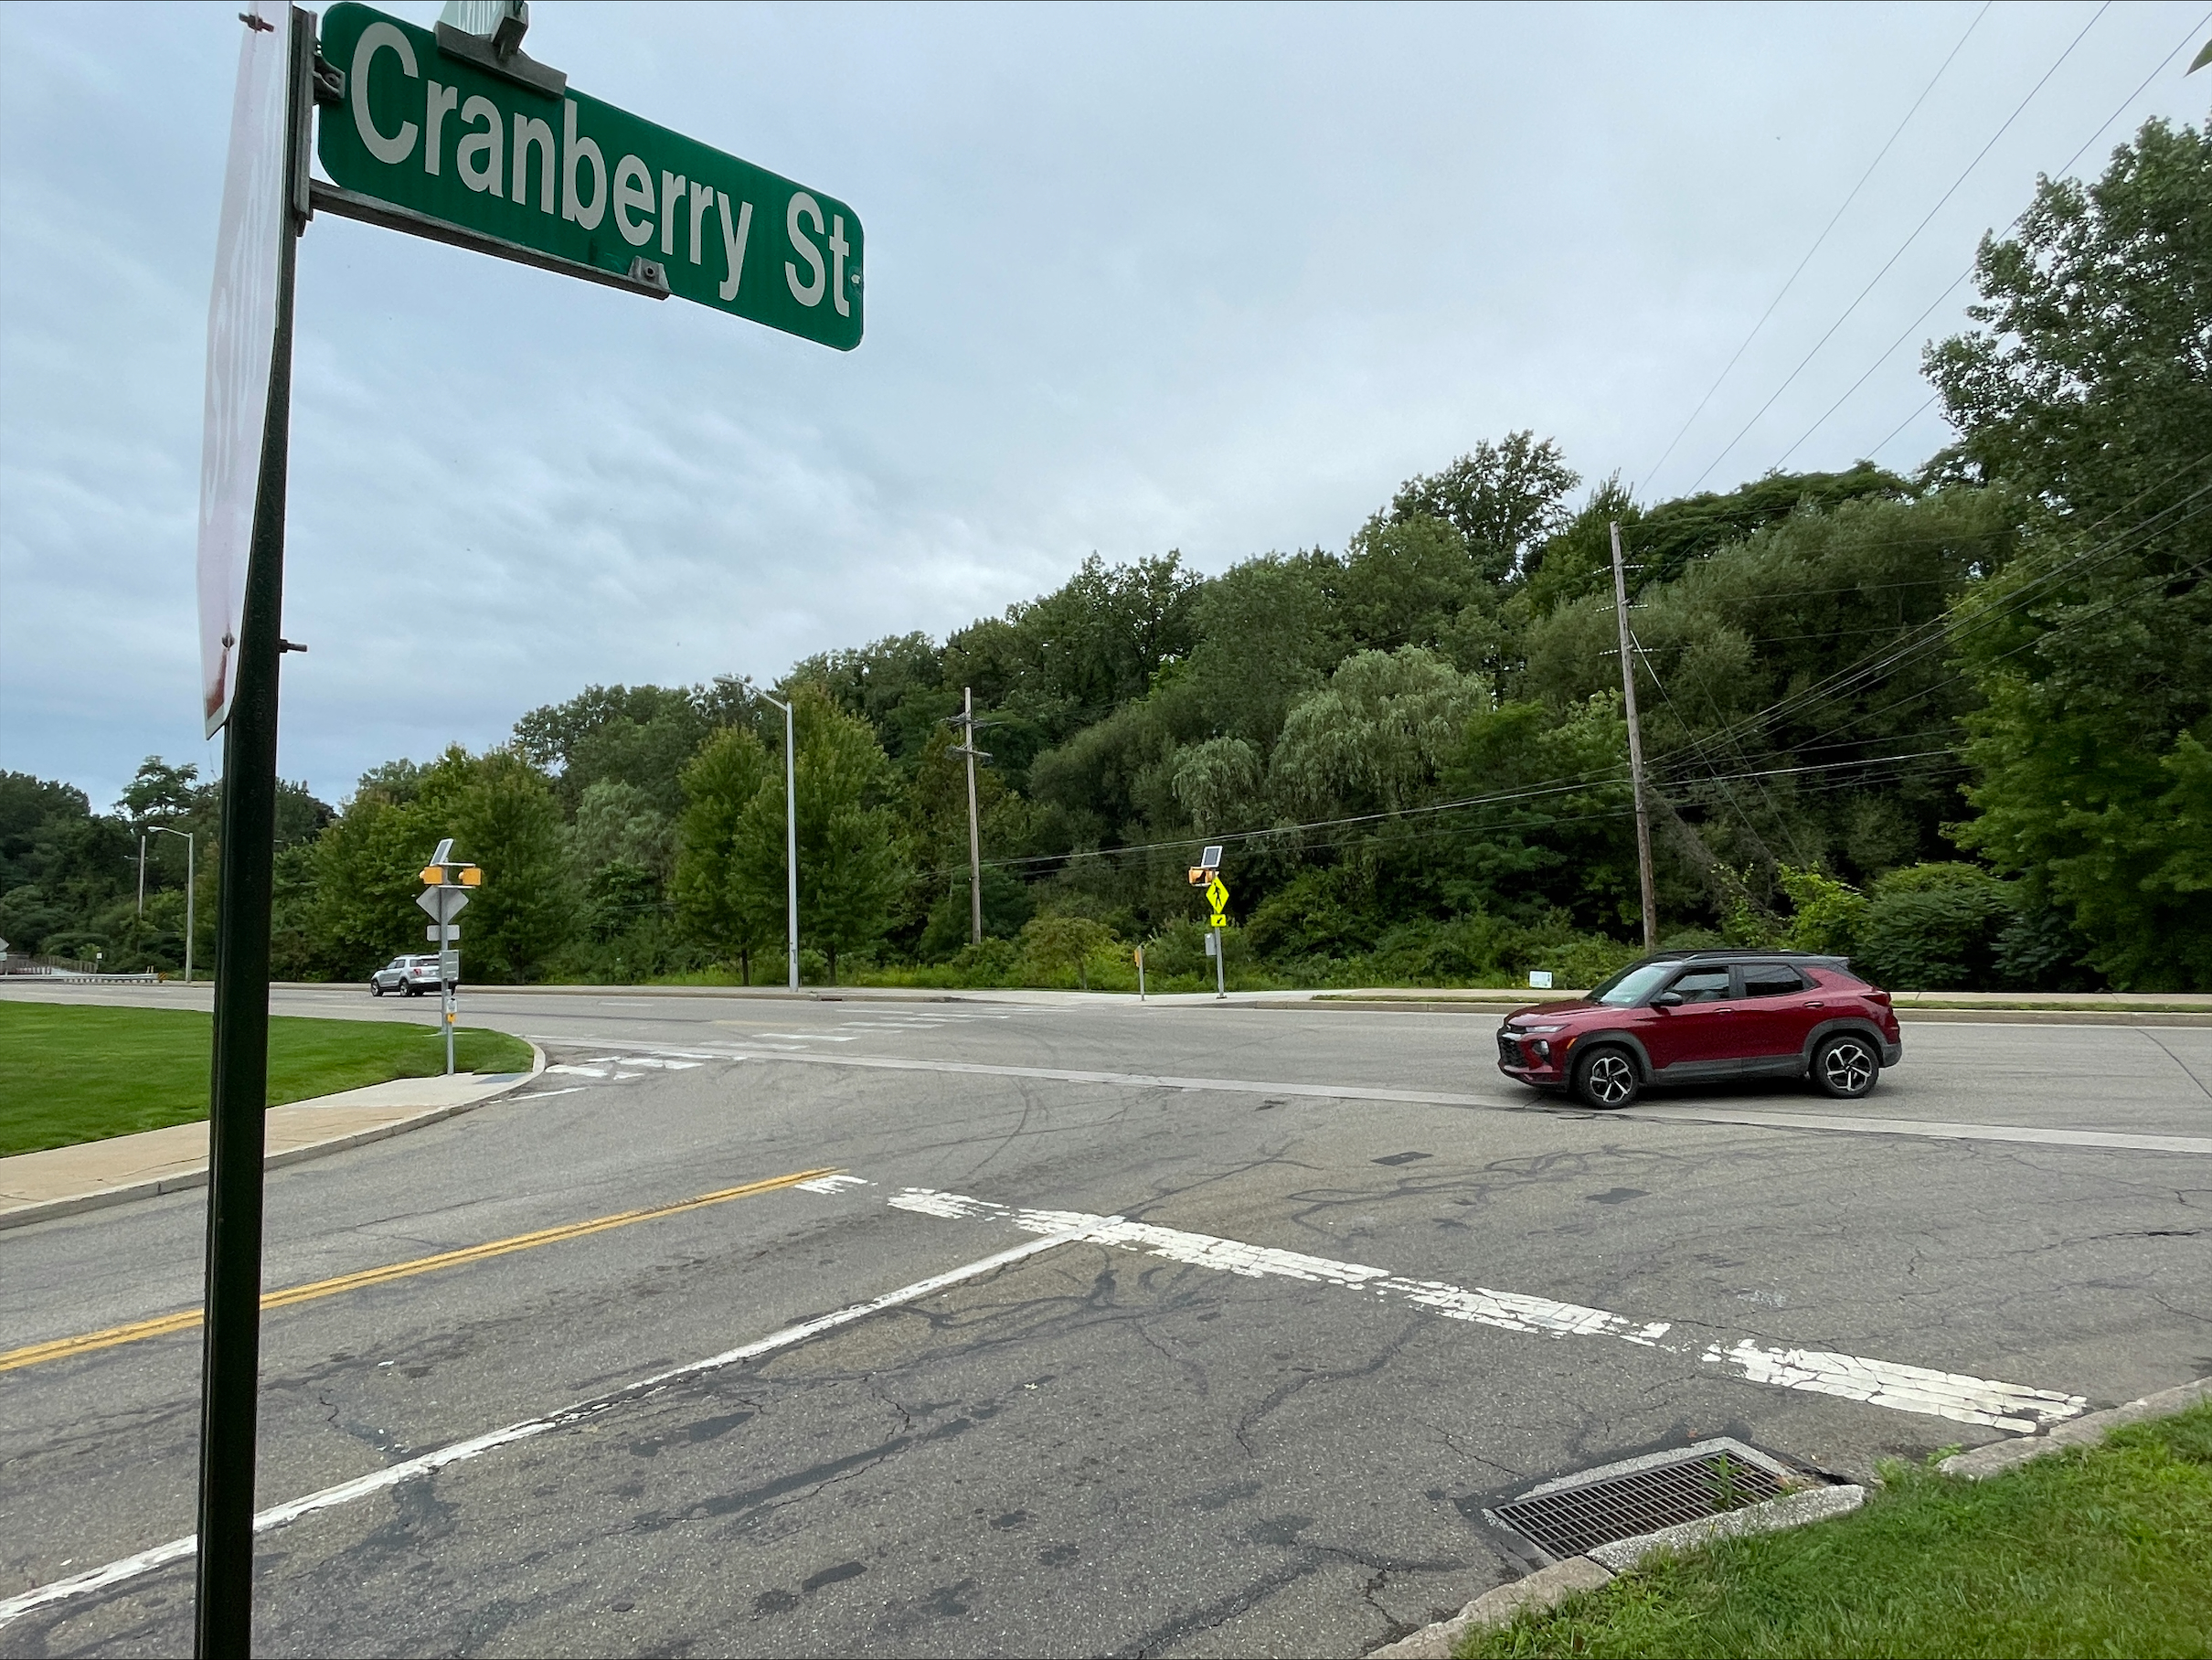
(1635, 749)
(966, 721)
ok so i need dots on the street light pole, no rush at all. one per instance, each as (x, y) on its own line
(791, 839)
(191, 883)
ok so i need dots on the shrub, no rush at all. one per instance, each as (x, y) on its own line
(1936, 928)
(1830, 913)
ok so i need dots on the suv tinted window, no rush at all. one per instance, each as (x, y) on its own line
(1771, 980)
(1702, 986)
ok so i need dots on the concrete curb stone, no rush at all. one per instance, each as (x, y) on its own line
(19, 1216)
(1998, 1456)
(1549, 1587)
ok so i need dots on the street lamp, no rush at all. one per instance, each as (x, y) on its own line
(191, 884)
(791, 839)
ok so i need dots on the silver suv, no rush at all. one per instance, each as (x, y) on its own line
(413, 976)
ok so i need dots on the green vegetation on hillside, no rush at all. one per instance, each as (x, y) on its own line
(2106, 1550)
(1957, 724)
(70, 1073)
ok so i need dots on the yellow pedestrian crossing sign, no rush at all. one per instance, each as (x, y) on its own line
(1217, 895)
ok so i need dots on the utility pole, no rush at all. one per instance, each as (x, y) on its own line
(791, 840)
(966, 721)
(141, 873)
(1635, 749)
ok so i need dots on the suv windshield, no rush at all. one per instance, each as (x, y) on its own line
(1632, 986)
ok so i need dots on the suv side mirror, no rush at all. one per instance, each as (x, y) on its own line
(1668, 1000)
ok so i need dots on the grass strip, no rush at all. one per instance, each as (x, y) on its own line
(71, 1073)
(2101, 1550)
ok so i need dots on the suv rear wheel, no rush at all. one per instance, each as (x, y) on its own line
(1606, 1078)
(1845, 1067)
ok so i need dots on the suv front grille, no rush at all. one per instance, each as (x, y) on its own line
(1509, 1051)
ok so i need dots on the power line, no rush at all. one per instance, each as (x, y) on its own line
(1906, 243)
(1817, 242)
(1914, 327)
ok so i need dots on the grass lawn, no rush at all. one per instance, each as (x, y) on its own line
(2106, 1550)
(69, 1073)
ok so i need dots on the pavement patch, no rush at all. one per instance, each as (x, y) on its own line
(144, 1562)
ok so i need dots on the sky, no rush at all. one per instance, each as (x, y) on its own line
(1138, 278)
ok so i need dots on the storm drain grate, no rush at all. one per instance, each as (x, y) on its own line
(1568, 1517)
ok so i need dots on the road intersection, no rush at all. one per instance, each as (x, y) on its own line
(1069, 1328)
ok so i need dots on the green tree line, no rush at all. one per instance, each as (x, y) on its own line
(1956, 723)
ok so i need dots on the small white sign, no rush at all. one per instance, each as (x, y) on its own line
(1213, 945)
(437, 931)
(1539, 979)
(242, 340)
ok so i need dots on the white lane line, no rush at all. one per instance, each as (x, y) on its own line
(576, 1072)
(1777, 1120)
(1235, 1086)
(574, 1088)
(345, 1492)
(1884, 1383)
(833, 1184)
(1935, 1129)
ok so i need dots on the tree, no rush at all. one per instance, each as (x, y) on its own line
(849, 866)
(1502, 499)
(717, 903)
(1377, 736)
(2088, 391)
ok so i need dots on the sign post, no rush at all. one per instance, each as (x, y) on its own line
(462, 138)
(1206, 874)
(241, 589)
(447, 884)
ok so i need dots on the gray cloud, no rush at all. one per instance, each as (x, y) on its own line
(1211, 278)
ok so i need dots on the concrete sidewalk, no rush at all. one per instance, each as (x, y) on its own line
(63, 1181)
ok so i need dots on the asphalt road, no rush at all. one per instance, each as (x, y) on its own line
(1360, 1285)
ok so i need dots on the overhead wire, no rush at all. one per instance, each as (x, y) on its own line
(1914, 326)
(1925, 221)
(1817, 242)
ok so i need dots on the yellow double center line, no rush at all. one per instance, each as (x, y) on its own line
(184, 1320)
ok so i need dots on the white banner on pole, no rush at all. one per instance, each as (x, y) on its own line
(241, 338)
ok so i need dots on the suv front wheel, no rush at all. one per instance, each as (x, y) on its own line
(1606, 1078)
(1845, 1067)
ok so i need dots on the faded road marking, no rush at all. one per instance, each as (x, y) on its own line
(189, 1319)
(1883, 1383)
(1775, 1121)
(345, 1492)
(1908, 1388)
(1934, 1129)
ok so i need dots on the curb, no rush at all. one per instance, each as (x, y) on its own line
(77, 1204)
(1998, 1456)
(1549, 1587)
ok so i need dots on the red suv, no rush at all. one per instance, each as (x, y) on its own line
(1692, 1015)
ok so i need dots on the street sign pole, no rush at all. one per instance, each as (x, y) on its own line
(449, 994)
(239, 1083)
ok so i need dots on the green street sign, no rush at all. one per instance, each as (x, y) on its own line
(569, 176)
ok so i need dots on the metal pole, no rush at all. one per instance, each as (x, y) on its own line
(1220, 965)
(1140, 973)
(791, 839)
(1635, 749)
(975, 858)
(238, 1080)
(141, 873)
(448, 1002)
(191, 899)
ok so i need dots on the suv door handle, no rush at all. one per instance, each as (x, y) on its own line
(1816, 1005)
